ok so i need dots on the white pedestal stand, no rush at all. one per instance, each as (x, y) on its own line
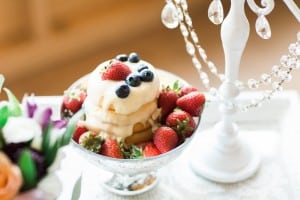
(226, 158)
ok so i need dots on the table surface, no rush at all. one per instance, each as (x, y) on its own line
(272, 130)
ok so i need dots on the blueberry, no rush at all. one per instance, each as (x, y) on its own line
(122, 57)
(146, 75)
(142, 67)
(133, 80)
(134, 58)
(123, 91)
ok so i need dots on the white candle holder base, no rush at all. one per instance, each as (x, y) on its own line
(225, 164)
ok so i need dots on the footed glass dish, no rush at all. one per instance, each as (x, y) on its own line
(135, 175)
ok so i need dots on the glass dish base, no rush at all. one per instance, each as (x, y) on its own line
(130, 185)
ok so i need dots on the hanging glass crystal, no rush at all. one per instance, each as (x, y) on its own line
(294, 49)
(202, 53)
(268, 94)
(284, 60)
(184, 4)
(196, 63)
(276, 70)
(188, 20)
(266, 79)
(253, 84)
(184, 30)
(292, 62)
(212, 67)
(215, 12)
(169, 16)
(194, 36)
(286, 76)
(277, 86)
(262, 27)
(190, 48)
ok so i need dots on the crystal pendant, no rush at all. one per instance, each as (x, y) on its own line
(190, 48)
(266, 79)
(169, 16)
(253, 84)
(262, 27)
(215, 12)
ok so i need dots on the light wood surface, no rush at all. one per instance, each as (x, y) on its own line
(46, 45)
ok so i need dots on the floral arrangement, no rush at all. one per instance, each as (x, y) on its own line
(29, 142)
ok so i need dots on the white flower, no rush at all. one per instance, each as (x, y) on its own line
(21, 129)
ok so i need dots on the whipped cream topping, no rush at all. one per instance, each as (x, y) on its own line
(102, 92)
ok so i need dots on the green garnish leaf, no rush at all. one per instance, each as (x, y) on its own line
(14, 106)
(176, 85)
(136, 152)
(28, 169)
(131, 151)
(4, 112)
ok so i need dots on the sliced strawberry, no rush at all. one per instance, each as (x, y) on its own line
(79, 130)
(91, 141)
(150, 150)
(187, 89)
(182, 122)
(116, 71)
(192, 103)
(111, 148)
(165, 139)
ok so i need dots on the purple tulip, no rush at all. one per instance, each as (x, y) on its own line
(31, 108)
(59, 124)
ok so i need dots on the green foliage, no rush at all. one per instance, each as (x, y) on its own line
(14, 106)
(4, 112)
(28, 169)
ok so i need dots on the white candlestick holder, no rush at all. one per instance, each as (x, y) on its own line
(225, 157)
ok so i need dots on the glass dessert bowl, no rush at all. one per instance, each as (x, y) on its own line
(133, 120)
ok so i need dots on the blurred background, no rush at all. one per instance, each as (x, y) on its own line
(45, 45)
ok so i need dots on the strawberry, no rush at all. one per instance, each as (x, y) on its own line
(182, 122)
(91, 141)
(73, 101)
(116, 71)
(165, 139)
(150, 150)
(111, 148)
(79, 130)
(167, 100)
(187, 89)
(191, 103)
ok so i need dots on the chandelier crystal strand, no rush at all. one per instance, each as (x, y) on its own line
(281, 74)
(276, 78)
(195, 50)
